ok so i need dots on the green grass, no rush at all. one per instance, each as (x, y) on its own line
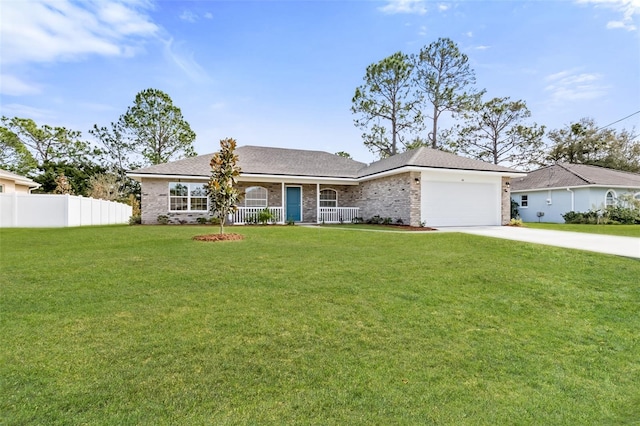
(620, 230)
(293, 325)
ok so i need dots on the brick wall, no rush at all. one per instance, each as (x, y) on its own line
(397, 197)
(506, 201)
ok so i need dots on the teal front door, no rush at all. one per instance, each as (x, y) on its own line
(294, 204)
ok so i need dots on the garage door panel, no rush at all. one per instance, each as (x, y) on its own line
(461, 204)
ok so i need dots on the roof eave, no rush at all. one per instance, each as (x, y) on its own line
(406, 169)
(590, 185)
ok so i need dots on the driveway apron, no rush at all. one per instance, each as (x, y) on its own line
(620, 246)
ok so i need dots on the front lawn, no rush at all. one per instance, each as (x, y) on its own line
(296, 325)
(620, 230)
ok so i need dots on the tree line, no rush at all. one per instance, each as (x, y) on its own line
(399, 106)
(151, 131)
(403, 98)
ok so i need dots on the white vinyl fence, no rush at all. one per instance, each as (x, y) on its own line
(51, 210)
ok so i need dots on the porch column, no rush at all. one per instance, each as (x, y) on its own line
(284, 219)
(317, 203)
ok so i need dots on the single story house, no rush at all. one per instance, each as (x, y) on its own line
(11, 182)
(546, 194)
(420, 187)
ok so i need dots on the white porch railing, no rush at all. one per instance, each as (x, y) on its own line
(337, 214)
(250, 214)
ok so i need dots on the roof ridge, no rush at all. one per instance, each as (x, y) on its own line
(416, 154)
(573, 172)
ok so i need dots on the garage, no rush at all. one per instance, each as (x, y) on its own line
(461, 201)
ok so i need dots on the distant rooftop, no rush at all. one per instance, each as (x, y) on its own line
(571, 175)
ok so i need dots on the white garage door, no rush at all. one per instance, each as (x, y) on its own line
(460, 203)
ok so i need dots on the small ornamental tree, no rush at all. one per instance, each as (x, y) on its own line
(223, 195)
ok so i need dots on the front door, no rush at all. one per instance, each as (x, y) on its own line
(294, 203)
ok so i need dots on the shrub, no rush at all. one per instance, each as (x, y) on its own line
(375, 220)
(399, 221)
(135, 220)
(515, 222)
(202, 220)
(387, 221)
(515, 213)
(624, 215)
(357, 220)
(265, 216)
(163, 219)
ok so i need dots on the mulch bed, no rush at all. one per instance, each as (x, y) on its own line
(219, 237)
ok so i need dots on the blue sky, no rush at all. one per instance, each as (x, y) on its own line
(282, 73)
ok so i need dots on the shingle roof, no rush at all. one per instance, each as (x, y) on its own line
(266, 160)
(563, 175)
(433, 158)
(297, 162)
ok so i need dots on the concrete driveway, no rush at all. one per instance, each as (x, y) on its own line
(621, 246)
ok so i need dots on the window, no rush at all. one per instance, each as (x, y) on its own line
(1, 189)
(610, 198)
(524, 201)
(328, 198)
(187, 197)
(256, 196)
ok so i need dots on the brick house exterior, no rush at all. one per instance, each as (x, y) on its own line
(422, 187)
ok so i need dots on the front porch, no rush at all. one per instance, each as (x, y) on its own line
(285, 202)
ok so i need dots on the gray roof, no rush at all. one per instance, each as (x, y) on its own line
(432, 158)
(297, 162)
(563, 175)
(266, 160)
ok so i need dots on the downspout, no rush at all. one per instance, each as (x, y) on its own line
(317, 203)
(573, 208)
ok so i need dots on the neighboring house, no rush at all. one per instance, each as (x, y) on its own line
(546, 194)
(421, 187)
(11, 182)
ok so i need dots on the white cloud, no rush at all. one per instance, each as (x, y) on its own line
(54, 30)
(184, 61)
(482, 47)
(443, 7)
(14, 86)
(19, 110)
(208, 15)
(404, 6)
(188, 16)
(570, 86)
(628, 9)
(423, 31)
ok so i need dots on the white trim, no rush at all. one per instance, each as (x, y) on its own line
(615, 198)
(293, 178)
(176, 177)
(266, 199)
(255, 177)
(515, 191)
(406, 169)
(188, 197)
(527, 206)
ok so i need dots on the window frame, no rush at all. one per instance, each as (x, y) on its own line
(614, 198)
(250, 189)
(524, 201)
(335, 200)
(189, 198)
